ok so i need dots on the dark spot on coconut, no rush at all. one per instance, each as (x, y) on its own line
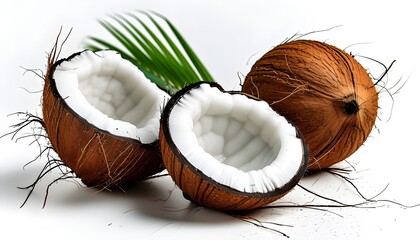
(351, 107)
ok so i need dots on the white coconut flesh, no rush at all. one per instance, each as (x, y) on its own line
(112, 94)
(237, 141)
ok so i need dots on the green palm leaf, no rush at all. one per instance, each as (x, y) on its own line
(190, 52)
(157, 49)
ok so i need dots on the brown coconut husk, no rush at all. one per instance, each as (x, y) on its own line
(323, 90)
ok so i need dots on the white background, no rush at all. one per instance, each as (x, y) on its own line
(228, 36)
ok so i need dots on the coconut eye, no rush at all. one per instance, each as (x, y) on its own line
(351, 107)
(215, 141)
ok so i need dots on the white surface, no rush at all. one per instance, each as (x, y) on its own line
(89, 83)
(228, 36)
(252, 157)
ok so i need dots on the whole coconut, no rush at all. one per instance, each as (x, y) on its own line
(323, 90)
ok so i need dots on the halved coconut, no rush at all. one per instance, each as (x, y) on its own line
(102, 117)
(228, 150)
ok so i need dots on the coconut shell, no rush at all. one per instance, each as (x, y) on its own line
(97, 157)
(323, 90)
(203, 190)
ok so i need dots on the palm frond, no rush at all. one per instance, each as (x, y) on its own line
(152, 43)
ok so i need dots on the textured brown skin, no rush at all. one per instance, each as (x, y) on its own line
(310, 82)
(205, 191)
(98, 158)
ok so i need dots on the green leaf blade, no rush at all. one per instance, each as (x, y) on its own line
(164, 56)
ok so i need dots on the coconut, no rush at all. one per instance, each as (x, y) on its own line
(101, 115)
(229, 150)
(323, 90)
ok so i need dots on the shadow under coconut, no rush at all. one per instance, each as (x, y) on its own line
(157, 198)
(10, 181)
(17, 184)
(160, 199)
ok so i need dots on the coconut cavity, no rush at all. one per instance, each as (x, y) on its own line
(111, 94)
(231, 140)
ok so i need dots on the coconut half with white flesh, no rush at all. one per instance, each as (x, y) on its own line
(229, 150)
(102, 118)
